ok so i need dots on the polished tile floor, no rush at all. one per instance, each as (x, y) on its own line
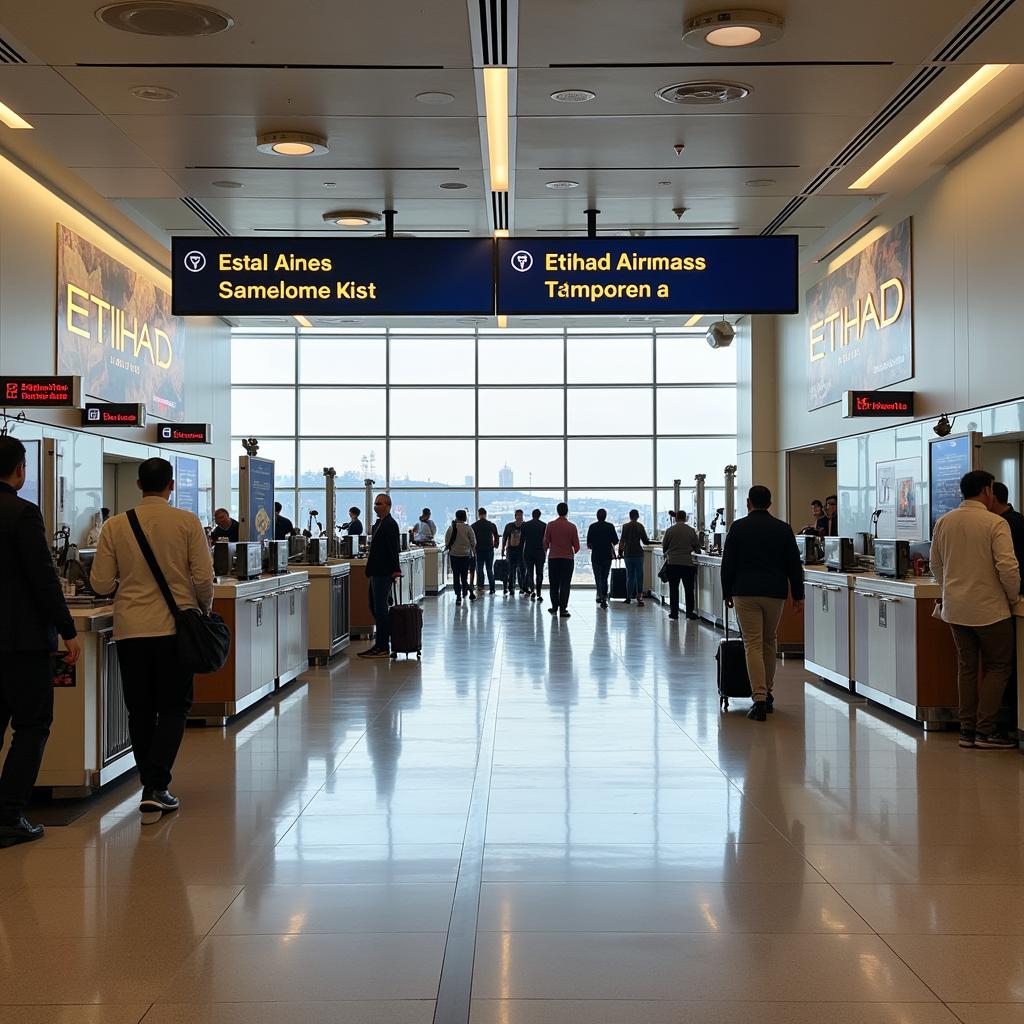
(543, 821)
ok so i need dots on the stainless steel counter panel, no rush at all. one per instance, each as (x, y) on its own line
(330, 598)
(829, 626)
(435, 569)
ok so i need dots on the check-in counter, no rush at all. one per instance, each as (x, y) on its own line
(329, 603)
(413, 585)
(435, 570)
(904, 658)
(252, 610)
(89, 744)
(655, 557)
(829, 625)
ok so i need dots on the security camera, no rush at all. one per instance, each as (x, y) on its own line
(720, 334)
(943, 427)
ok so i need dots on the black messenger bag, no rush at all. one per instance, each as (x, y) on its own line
(203, 640)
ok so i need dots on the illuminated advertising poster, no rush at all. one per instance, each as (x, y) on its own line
(115, 330)
(186, 484)
(258, 516)
(897, 496)
(949, 460)
(860, 322)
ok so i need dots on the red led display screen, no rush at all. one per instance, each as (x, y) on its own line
(879, 403)
(41, 392)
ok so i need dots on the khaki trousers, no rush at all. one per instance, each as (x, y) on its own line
(759, 623)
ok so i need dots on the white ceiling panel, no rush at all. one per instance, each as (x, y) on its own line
(35, 89)
(130, 182)
(85, 140)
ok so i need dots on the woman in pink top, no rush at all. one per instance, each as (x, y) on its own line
(561, 542)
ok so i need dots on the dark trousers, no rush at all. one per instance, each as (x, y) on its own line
(485, 564)
(158, 695)
(560, 574)
(515, 578)
(994, 647)
(535, 573)
(688, 575)
(460, 573)
(380, 606)
(602, 567)
(26, 704)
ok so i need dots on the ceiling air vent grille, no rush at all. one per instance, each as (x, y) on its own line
(9, 55)
(493, 30)
(205, 216)
(972, 31)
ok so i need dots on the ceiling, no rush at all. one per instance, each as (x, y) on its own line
(352, 72)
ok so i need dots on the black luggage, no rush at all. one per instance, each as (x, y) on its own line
(500, 570)
(617, 587)
(405, 623)
(733, 680)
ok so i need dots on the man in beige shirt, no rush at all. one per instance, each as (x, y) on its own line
(157, 688)
(973, 561)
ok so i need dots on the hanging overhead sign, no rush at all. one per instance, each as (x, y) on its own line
(678, 275)
(872, 404)
(114, 414)
(860, 322)
(332, 277)
(29, 392)
(115, 330)
(183, 433)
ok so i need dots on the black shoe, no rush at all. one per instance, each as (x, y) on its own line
(604, 604)
(492, 591)
(368, 653)
(692, 615)
(967, 739)
(564, 613)
(759, 712)
(553, 611)
(994, 741)
(19, 831)
(628, 600)
(770, 704)
(158, 801)
(673, 615)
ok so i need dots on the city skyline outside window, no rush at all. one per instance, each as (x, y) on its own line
(505, 419)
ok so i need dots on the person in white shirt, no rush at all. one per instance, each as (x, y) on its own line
(972, 560)
(425, 529)
(157, 688)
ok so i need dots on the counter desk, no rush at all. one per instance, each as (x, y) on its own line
(268, 619)
(435, 569)
(829, 644)
(330, 600)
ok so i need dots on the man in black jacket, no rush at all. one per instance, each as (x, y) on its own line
(32, 612)
(1002, 507)
(760, 568)
(382, 569)
(533, 556)
(602, 539)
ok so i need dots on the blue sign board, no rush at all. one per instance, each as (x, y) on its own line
(677, 275)
(259, 524)
(332, 277)
(950, 459)
(186, 484)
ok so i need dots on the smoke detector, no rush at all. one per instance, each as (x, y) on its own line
(573, 96)
(732, 29)
(720, 334)
(164, 18)
(704, 94)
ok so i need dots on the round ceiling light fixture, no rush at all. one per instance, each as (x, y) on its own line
(164, 18)
(351, 218)
(154, 93)
(453, 186)
(561, 185)
(292, 144)
(731, 29)
(435, 99)
(573, 96)
(704, 94)
(760, 183)
(228, 184)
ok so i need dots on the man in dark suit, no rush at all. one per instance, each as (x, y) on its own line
(382, 569)
(282, 524)
(32, 612)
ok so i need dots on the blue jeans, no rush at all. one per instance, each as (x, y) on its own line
(634, 575)
(380, 597)
(484, 560)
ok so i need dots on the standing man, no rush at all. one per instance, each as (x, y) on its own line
(382, 569)
(425, 529)
(486, 541)
(816, 525)
(1002, 507)
(828, 525)
(533, 556)
(226, 528)
(631, 549)
(283, 526)
(157, 687)
(972, 560)
(679, 544)
(32, 613)
(512, 550)
(601, 541)
(760, 567)
(354, 526)
(561, 542)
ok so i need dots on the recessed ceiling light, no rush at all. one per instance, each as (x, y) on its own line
(164, 18)
(12, 118)
(664, 184)
(573, 96)
(561, 184)
(453, 186)
(228, 184)
(351, 218)
(435, 99)
(291, 144)
(703, 94)
(760, 183)
(154, 93)
(730, 29)
(330, 184)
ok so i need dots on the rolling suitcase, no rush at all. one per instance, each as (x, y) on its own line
(617, 586)
(500, 570)
(733, 680)
(405, 623)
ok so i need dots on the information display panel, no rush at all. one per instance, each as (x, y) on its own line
(332, 277)
(679, 275)
(949, 459)
(41, 392)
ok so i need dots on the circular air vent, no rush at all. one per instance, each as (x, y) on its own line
(453, 186)
(703, 94)
(573, 96)
(435, 99)
(163, 18)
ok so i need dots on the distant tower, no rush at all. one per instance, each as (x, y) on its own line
(505, 476)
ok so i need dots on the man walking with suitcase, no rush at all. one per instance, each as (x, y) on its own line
(533, 556)
(602, 539)
(760, 567)
(382, 569)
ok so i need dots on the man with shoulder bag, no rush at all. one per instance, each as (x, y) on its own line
(157, 558)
